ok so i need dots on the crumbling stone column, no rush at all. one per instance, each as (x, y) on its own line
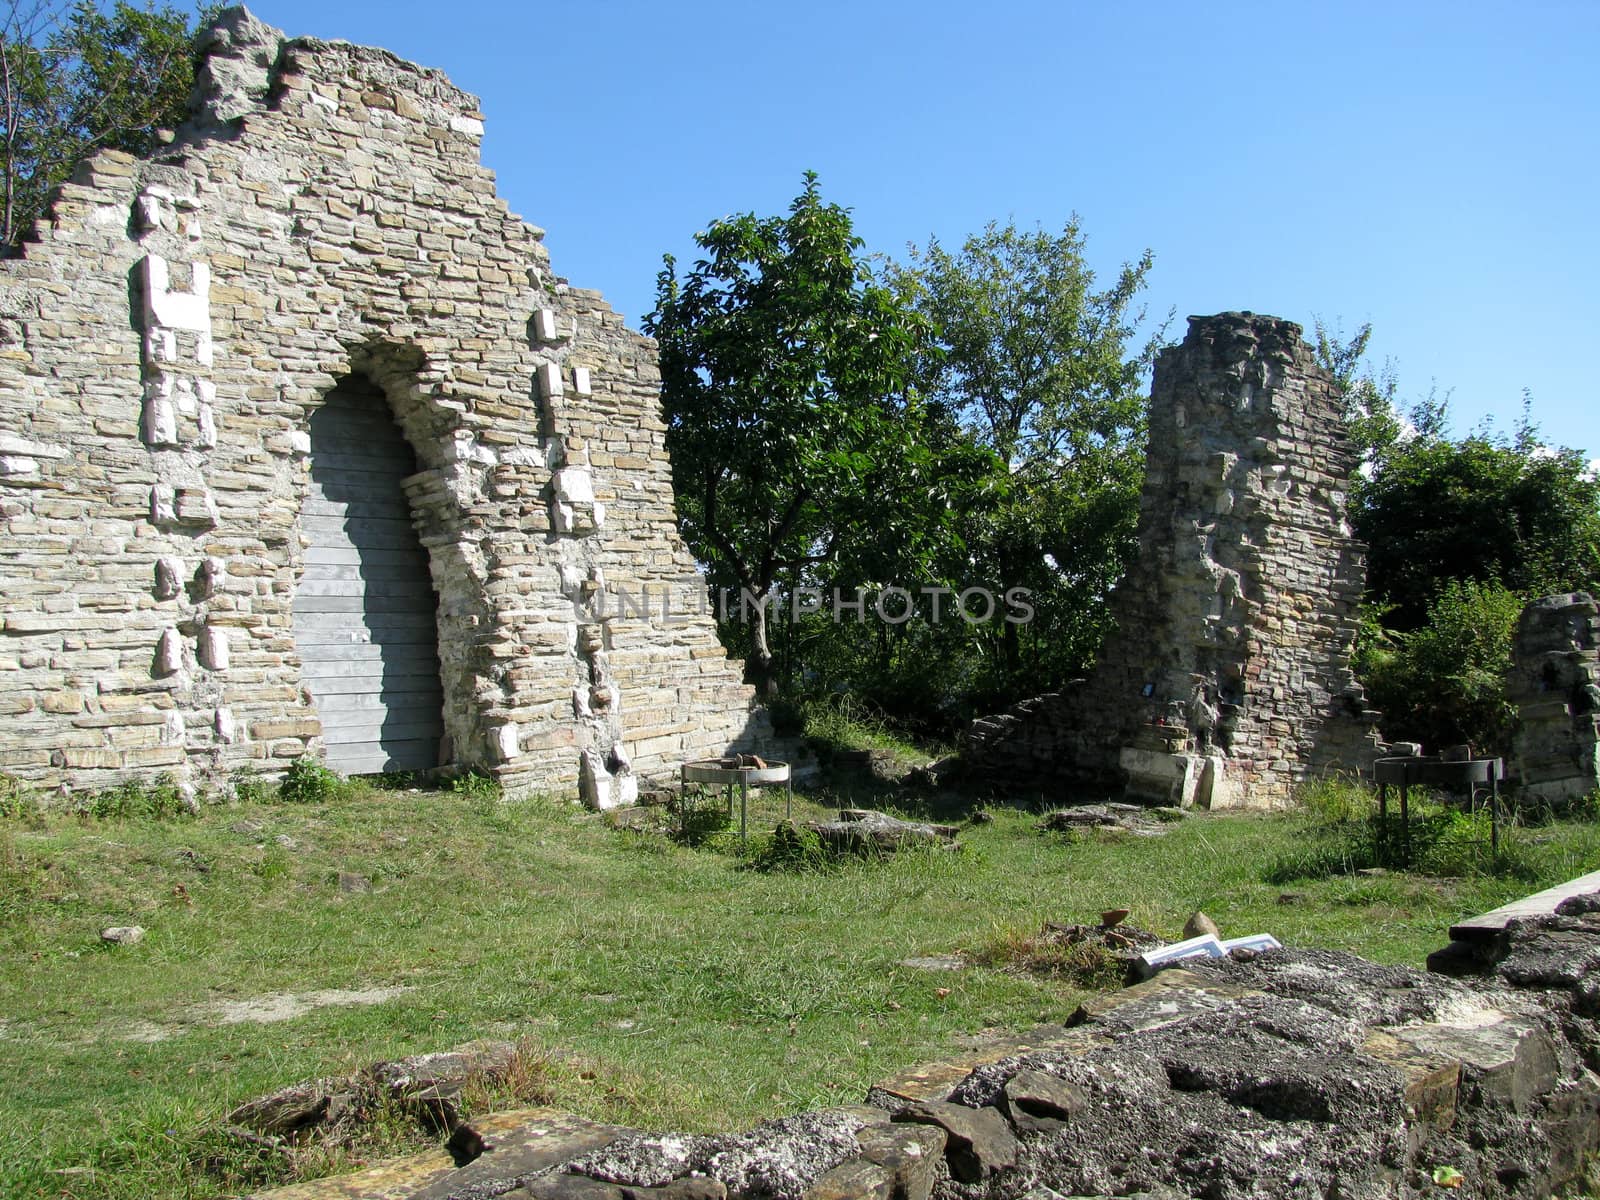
(1554, 682)
(1227, 677)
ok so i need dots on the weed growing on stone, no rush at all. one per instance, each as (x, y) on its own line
(790, 848)
(479, 789)
(309, 782)
(17, 800)
(158, 800)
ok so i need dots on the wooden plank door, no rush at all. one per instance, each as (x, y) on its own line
(365, 612)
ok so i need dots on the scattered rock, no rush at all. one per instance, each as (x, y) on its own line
(431, 1084)
(979, 1142)
(351, 882)
(911, 1154)
(249, 829)
(690, 1187)
(123, 935)
(862, 831)
(935, 962)
(1124, 818)
(574, 1187)
(1038, 1102)
(294, 1111)
(193, 860)
(1112, 917)
(1200, 925)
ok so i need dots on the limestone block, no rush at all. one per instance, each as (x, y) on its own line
(1166, 778)
(149, 212)
(169, 653)
(580, 381)
(549, 375)
(209, 576)
(574, 485)
(169, 577)
(173, 731)
(603, 788)
(545, 325)
(194, 506)
(505, 742)
(27, 448)
(212, 650)
(159, 426)
(170, 309)
(222, 724)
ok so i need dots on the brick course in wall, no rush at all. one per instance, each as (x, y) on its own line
(164, 341)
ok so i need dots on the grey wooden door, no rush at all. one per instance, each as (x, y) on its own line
(365, 612)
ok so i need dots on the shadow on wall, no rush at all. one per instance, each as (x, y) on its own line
(365, 611)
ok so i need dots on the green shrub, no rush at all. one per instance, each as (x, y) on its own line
(1331, 799)
(480, 789)
(1444, 684)
(309, 782)
(17, 802)
(159, 800)
(698, 815)
(790, 848)
(249, 787)
(1437, 838)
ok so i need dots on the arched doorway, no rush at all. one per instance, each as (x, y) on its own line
(365, 612)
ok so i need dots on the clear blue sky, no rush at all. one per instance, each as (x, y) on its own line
(1429, 167)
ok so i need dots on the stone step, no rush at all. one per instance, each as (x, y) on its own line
(1491, 925)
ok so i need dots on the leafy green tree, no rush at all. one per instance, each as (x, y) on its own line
(1443, 683)
(76, 80)
(1518, 515)
(1370, 412)
(799, 442)
(1044, 368)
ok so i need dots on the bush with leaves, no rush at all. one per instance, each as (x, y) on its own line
(1443, 684)
(309, 782)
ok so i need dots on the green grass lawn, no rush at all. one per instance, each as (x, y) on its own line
(692, 992)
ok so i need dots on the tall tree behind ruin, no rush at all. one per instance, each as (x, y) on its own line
(1045, 369)
(75, 80)
(798, 438)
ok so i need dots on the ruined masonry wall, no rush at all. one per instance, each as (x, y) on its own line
(1227, 676)
(163, 344)
(1554, 682)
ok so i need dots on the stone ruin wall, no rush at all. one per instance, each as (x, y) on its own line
(1226, 679)
(1554, 682)
(165, 340)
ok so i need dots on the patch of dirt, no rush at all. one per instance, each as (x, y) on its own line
(263, 1010)
(285, 1006)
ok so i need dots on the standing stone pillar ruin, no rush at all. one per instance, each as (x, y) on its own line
(1226, 678)
(1554, 682)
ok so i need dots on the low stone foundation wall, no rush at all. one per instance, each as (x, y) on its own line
(1298, 1073)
